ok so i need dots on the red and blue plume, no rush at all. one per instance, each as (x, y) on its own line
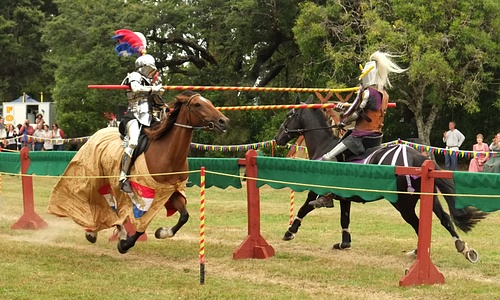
(129, 43)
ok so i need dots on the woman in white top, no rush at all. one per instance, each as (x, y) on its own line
(11, 134)
(58, 136)
(47, 135)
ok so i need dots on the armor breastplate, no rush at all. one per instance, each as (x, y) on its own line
(138, 103)
(140, 109)
(376, 116)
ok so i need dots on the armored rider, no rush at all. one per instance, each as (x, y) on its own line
(143, 95)
(369, 116)
(368, 112)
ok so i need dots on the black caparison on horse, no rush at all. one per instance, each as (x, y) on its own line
(312, 124)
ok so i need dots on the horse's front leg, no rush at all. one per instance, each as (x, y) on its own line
(91, 235)
(345, 220)
(125, 241)
(179, 204)
(303, 211)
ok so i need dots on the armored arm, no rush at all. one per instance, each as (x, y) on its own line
(135, 82)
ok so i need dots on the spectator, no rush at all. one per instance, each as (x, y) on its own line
(19, 144)
(58, 136)
(11, 134)
(477, 162)
(38, 134)
(27, 131)
(453, 139)
(3, 132)
(494, 144)
(39, 119)
(48, 136)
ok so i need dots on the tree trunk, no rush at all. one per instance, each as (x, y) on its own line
(424, 119)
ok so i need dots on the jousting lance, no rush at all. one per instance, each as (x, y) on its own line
(251, 107)
(229, 88)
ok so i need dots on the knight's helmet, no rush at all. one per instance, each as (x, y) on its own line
(145, 65)
(371, 77)
(130, 43)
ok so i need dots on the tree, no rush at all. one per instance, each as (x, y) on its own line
(449, 47)
(201, 42)
(83, 51)
(23, 66)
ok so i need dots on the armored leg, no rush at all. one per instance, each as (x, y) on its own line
(133, 131)
(126, 165)
(332, 154)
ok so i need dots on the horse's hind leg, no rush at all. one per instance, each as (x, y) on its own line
(345, 220)
(461, 246)
(303, 211)
(179, 203)
(406, 207)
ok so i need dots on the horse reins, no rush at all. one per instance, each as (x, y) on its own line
(209, 126)
(302, 130)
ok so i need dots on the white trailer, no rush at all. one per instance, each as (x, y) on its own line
(27, 108)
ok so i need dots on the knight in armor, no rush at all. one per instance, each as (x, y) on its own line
(144, 95)
(369, 111)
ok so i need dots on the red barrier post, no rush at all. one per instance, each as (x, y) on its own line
(254, 246)
(30, 219)
(423, 270)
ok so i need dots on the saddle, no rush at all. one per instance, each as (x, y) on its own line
(370, 144)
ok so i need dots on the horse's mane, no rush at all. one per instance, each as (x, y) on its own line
(160, 129)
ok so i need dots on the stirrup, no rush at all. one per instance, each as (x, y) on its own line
(125, 186)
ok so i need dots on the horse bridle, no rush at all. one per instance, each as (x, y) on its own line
(209, 126)
(301, 131)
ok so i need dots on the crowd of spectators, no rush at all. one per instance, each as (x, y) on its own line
(42, 137)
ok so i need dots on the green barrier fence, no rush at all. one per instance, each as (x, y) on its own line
(370, 182)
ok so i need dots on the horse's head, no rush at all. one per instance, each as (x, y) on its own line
(202, 113)
(292, 127)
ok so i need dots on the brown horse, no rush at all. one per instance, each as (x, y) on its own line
(89, 192)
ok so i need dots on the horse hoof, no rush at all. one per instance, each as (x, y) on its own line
(91, 236)
(460, 246)
(121, 247)
(343, 246)
(472, 256)
(288, 236)
(163, 233)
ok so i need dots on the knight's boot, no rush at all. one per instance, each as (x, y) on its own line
(126, 164)
(323, 201)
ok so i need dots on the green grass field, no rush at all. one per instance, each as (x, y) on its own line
(58, 262)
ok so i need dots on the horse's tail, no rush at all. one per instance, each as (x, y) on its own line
(464, 218)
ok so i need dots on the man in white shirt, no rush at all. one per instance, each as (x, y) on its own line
(453, 139)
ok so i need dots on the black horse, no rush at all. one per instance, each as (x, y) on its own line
(319, 138)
